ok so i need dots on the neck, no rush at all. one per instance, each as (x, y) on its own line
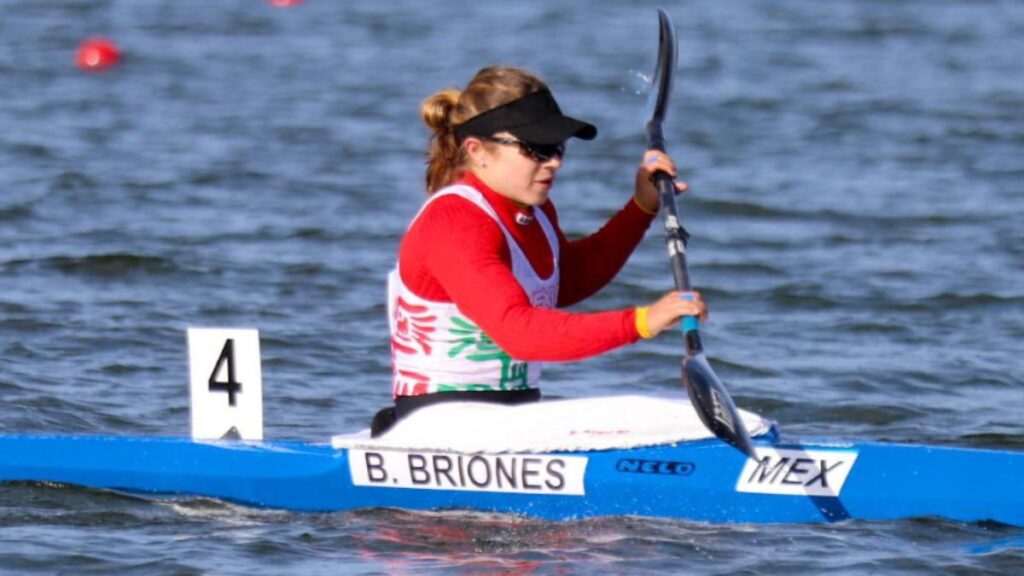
(477, 178)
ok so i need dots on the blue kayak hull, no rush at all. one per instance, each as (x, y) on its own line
(706, 481)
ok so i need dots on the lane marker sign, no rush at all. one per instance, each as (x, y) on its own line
(225, 383)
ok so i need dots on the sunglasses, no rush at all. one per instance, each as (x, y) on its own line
(539, 152)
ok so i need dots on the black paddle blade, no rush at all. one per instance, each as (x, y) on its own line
(714, 405)
(664, 72)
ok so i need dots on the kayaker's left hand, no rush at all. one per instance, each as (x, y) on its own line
(667, 311)
(646, 192)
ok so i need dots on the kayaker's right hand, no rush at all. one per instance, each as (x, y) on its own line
(667, 311)
(646, 193)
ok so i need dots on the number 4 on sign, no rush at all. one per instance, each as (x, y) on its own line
(226, 383)
(226, 363)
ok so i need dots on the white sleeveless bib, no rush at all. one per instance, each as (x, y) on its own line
(435, 348)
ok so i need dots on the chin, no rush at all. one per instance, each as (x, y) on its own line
(539, 198)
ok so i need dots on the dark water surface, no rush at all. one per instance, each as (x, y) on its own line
(858, 229)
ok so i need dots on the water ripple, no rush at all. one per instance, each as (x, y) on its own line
(110, 265)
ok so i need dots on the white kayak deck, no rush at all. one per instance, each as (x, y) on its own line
(604, 423)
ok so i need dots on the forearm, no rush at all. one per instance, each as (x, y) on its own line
(485, 290)
(537, 334)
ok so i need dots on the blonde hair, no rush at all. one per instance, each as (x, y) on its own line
(444, 110)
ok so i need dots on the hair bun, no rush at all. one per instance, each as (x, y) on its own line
(436, 110)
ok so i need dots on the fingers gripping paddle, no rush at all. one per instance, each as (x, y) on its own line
(709, 396)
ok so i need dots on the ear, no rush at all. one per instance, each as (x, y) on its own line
(475, 150)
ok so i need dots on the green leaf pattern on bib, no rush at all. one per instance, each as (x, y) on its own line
(474, 345)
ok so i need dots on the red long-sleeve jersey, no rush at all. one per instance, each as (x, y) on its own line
(455, 252)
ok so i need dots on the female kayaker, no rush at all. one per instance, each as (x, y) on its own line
(484, 266)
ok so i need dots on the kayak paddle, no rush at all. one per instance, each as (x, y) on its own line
(709, 397)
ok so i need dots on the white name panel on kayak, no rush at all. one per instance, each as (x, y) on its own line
(226, 383)
(797, 472)
(513, 473)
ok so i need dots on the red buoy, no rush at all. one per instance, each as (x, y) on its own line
(97, 54)
(284, 3)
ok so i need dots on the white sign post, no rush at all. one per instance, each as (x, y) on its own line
(226, 383)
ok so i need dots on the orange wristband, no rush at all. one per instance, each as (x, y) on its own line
(641, 323)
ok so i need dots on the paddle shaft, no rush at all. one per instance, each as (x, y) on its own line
(675, 242)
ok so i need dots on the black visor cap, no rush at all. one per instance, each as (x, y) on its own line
(535, 118)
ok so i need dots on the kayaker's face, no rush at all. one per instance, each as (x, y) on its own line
(525, 177)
